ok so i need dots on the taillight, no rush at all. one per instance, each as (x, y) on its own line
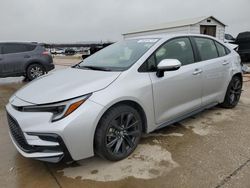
(45, 53)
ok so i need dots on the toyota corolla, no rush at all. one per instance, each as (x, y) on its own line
(106, 102)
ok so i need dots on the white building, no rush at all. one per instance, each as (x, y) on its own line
(202, 25)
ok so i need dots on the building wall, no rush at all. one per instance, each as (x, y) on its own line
(220, 29)
(192, 29)
(181, 30)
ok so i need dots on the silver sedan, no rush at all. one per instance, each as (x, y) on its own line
(105, 103)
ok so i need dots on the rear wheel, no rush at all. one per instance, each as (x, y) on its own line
(118, 133)
(233, 93)
(34, 71)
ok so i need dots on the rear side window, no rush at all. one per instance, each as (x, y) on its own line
(221, 49)
(206, 48)
(30, 47)
(17, 48)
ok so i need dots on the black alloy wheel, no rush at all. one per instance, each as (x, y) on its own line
(233, 93)
(118, 133)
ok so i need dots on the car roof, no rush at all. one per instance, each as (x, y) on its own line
(34, 43)
(169, 36)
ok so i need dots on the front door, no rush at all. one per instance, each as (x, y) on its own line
(178, 92)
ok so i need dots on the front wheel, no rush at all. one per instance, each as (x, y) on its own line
(34, 71)
(118, 133)
(233, 93)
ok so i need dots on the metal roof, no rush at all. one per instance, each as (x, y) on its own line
(180, 23)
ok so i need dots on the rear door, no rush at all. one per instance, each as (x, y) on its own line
(14, 57)
(178, 92)
(215, 69)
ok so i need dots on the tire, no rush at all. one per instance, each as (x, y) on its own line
(233, 93)
(34, 71)
(118, 133)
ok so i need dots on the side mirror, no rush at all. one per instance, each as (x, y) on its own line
(167, 65)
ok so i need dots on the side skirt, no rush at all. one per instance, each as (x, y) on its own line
(170, 122)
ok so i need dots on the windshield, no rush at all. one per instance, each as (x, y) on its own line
(119, 56)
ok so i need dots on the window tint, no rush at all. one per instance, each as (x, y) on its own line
(229, 37)
(228, 51)
(180, 49)
(149, 65)
(119, 56)
(206, 48)
(30, 47)
(221, 49)
(16, 48)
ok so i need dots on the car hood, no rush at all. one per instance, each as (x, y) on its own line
(65, 84)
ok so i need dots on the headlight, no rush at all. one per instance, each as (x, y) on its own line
(59, 110)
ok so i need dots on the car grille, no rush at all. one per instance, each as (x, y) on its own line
(18, 135)
(21, 142)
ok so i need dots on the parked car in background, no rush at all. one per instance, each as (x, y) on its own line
(55, 51)
(104, 104)
(229, 39)
(59, 51)
(243, 40)
(24, 59)
(70, 51)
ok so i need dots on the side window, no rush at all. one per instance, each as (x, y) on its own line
(221, 49)
(30, 47)
(227, 50)
(14, 48)
(180, 49)
(151, 66)
(206, 48)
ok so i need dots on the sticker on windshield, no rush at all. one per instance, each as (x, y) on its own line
(147, 41)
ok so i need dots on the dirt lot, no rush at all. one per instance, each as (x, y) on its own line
(211, 149)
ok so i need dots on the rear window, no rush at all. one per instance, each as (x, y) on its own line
(206, 48)
(229, 37)
(17, 48)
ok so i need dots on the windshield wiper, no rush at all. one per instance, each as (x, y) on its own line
(76, 66)
(96, 68)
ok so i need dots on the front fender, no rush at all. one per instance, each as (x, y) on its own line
(130, 86)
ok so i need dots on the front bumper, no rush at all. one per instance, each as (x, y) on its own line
(44, 147)
(71, 138)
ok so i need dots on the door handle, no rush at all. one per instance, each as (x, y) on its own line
(197, 71)
(26, 56)
(225, 63)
